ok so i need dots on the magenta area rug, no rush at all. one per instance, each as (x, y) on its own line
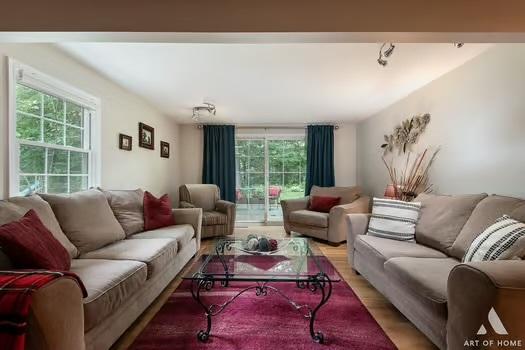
(263, 322)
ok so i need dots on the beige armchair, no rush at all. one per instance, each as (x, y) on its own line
(218, 216)
(331, 226)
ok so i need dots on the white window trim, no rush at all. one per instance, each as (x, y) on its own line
(19, 72)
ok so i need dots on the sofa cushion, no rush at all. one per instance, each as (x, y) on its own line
(156, 253)
(484, 215)
(157, 211)
(109, 284)
(347, 194)
(323, 204)
(203, 196)
(309, 218)
(519, 213)
(394, 219)
(182, 233)
(214, 218)
(46, 215)
(378, 250)
(86, 218)
(30, 245)
(443, 217)
(128, 208)
(427, 277)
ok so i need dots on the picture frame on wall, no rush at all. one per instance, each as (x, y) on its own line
(125, 142)
(146, 136)
(164, 149)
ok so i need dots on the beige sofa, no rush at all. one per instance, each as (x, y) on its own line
(218, 216)
(331, 227)
(123, 274)
(446, 299)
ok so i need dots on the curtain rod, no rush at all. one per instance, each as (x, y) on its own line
(200, 126)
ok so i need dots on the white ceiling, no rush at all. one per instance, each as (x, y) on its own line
(271, 83)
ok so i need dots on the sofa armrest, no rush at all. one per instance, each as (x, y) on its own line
(357, 224)
(290, 205)
(337, 223)
(474, 289)
(228, 208)
(192, 216)
(56, 321)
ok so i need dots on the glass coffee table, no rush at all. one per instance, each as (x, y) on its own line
(294, 261)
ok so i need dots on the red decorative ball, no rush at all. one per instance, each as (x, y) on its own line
(273, 244)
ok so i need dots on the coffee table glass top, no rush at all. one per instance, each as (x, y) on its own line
(295, 259)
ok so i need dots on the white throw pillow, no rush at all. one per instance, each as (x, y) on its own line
(503, 240)
(394, 219)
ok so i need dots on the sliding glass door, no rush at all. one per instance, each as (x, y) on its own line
(269, 169)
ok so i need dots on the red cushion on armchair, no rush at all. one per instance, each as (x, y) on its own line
(30, 245)
(323, 204)
(157, 211)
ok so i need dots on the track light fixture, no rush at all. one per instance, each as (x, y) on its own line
(206, 108)
(384, 54)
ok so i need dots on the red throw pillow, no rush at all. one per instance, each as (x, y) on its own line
(157, 211)
(323, 204)
(30, 245)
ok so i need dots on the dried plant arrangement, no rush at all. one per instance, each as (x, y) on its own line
(405, 134)
(410, 177)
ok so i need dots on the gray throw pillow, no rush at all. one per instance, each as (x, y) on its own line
(86, 218)
(128, 207)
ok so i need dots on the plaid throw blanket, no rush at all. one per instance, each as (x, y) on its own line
(16, 290)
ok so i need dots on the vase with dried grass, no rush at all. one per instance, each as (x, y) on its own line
(409, 173)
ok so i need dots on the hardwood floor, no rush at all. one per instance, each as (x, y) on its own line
(397, 327)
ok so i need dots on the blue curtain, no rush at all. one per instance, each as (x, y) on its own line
(219, 159)
(319, 156)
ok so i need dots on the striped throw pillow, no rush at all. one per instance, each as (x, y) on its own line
(394, 219)
(503, 240)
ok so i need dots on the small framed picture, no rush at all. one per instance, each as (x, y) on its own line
(146, 136)
(164, 149)
(124, 142)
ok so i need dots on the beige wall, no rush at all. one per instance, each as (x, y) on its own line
(121, 113)
(344, 152)
(478, 119)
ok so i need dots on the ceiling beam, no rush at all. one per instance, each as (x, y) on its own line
(264, 16)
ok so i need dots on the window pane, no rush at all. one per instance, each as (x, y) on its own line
(73, 137)
(276, 179)
(74, 114)
(57, 184)
(242, 164)
(53, 132)
(256, 148)
(53, 108)
(276, 163)
(56, 161)
(32, 159)
(28, 100)
(28, 128)
(78, 163)
(256, 164)
(243, 180)
(78, 183)
(31, 184)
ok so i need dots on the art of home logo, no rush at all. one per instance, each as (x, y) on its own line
(497, 325)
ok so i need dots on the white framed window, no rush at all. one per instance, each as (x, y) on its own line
(54, 134)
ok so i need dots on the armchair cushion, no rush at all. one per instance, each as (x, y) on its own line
(214, 218)
(347, 194)
(309, 218)
(203, 196)
(323, 204)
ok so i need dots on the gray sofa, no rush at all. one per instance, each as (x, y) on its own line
(122, 270)
(446, 299)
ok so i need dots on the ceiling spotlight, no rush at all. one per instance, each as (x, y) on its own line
(383, 54)
(206, 109)
(389, 51)
(459, 45)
